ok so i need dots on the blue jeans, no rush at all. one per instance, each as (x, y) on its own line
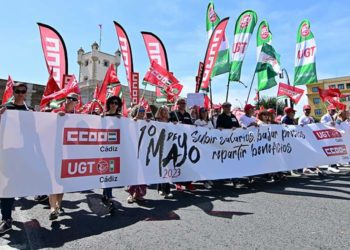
(6, 208)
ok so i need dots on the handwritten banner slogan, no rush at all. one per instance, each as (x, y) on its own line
(42, 153)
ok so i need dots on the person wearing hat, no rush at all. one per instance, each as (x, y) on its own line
(248, 119)
(329, 117)
(227, 120)
(306, 118)
(18, 103)
(180, 114)
(289, 116)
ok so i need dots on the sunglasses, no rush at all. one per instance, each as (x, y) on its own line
(18, 91)
(72, 99)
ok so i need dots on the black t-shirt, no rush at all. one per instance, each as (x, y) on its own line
(288, 121)
(12, 106)
(227, 121)
(184, 118)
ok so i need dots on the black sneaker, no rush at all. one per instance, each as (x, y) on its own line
(53, 215)
(6, 225)
(41, 198)
(106, 201)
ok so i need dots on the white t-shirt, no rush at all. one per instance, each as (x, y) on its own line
(202, 123)
(304, 120)
(327, 118)
(245, 120)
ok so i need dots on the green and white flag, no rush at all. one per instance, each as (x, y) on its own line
(268, 63)
(222, 64)
(305, 60)
(264, 35)
(245, 25)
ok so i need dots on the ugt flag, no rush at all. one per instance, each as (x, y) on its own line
(243, 31)
(305, 60)
(269, 62)
(222, 64)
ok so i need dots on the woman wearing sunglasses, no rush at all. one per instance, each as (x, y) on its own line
(113, 108)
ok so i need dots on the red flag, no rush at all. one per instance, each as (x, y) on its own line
(134, 87)
(336, 102)
(156, 51)
(71, 87)
(110, 77)
(126, 52)
(8, 93)
(144, 103)
(207, 102)
(329, 93)
(158, 76)
(292, 92)
(51, 87)
(55, 52)
(212, 53)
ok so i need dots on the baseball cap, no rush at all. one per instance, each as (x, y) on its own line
(331, 107)
(306, 107)
(248, 107)
(271, 111)
(73, 95)
(288, 110)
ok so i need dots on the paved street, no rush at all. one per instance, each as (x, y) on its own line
(301, 213)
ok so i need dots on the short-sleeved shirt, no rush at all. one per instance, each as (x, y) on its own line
(227, 121)
(203, 123)
(184, 118)
(288, 121)
(327, 118)
(304, 120)
(12, 106)
(245, 120)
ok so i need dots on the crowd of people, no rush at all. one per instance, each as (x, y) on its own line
(216, 118)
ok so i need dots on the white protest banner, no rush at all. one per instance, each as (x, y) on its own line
(43, 153)
(195, 99)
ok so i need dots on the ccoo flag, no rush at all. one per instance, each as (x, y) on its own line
(305, 62)
(222, 64)
(268, 62)
(243, 31)
(55, 52)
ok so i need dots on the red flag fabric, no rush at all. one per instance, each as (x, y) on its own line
(8, 93)
(212, 53)
(158, 76)
(134, 88)
(51, 87)
(55, 52)
(336, 102)
(144, 103)
(207, 102)
(71, 87)
(126, 52)
(292, 92)
(96, 92)
(329, 93)
(110, 77)
(156, 51)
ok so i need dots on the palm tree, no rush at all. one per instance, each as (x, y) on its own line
(271, 102)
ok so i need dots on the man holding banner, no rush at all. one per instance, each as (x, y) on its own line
(19, 90)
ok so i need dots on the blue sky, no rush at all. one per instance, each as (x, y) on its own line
(181, 26)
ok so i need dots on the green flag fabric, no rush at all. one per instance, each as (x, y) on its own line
(268, 63)
(245, 25)
(305, 56)
(222, 64)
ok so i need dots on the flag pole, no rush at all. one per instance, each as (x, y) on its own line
(100, 25)
(251, 85)
(228, 87)
(211, 95)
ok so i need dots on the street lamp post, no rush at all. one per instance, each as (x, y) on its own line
(281, 76)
